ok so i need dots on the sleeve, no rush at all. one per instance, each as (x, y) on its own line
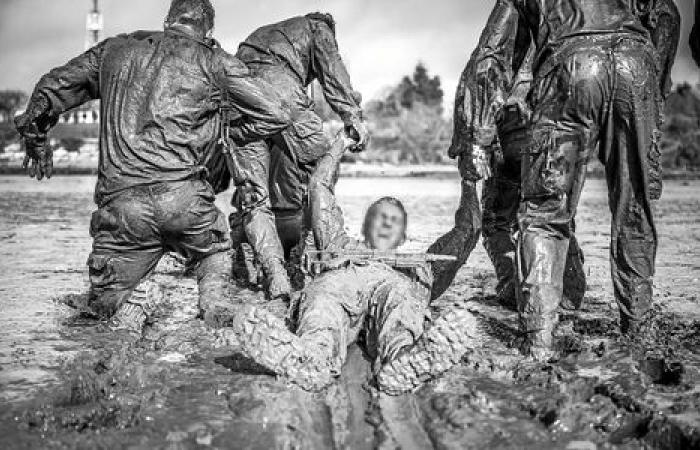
(484, 84)
(327, 222)
(665, 29)
(332, 74)
(263, 113)
(72, 84)
(695, 35)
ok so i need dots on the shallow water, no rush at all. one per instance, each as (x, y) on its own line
(176, 391)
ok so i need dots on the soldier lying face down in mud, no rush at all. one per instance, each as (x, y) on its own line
(160, 95)
(362, 292)
(271, 174)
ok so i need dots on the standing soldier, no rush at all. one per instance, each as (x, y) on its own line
(290, 55)
(500, 198)
(160, 95)
(598, 82)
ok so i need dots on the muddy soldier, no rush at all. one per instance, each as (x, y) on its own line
(500, 198)
(501, 193)
(358, 295)
(274, 172)
(598, 81)
(160, 93)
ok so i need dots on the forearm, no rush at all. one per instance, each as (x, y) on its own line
(327, 221)
(72, 84)
(488, 75)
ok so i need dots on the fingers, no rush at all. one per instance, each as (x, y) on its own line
(46, 162)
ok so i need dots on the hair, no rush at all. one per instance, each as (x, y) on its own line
(198, 14)
(323, 17)
(373, 210)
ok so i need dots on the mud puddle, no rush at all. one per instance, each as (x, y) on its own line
(67, 382)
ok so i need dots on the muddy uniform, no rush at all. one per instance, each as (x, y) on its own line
(385, 308)
(289, 55)
(159, 94)
(597, 84)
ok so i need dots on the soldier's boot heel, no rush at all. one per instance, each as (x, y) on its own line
(264, 338)
(438, 349)
(133, 314)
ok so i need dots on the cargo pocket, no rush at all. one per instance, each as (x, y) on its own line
(553, 163)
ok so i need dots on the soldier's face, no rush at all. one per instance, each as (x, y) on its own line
(386, 230)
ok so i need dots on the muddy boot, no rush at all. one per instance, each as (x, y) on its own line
(214, 279)
(266, 340)
(438, 349)
(133, 314)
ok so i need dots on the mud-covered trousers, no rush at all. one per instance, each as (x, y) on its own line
(260, 184)
(133, 230)
(597, 90)
(384, 307)
(500, 198)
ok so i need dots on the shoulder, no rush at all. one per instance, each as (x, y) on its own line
(228, 63)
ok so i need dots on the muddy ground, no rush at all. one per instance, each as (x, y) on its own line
(67, 382)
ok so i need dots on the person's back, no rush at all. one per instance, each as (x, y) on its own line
(157, 109)
(289, 42)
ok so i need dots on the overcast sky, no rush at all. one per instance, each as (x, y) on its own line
(380, 40)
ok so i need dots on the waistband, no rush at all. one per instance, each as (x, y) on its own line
(551, 56)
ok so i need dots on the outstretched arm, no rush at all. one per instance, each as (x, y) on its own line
(485, 82)
(335, 81)
(327, 221)
(665, 26)
(263, 113)
(61, 89)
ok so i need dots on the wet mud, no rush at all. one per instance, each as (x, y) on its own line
(69, 382)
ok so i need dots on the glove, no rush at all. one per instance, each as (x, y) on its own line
(357, 130)
(33, 125)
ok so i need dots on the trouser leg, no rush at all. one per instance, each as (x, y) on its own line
(398, 310)
(214, 281)
(332, 311)
(253, 200)
(629, 153)
(460, 241)
(500, 199)
(126, 248)
(194, 227)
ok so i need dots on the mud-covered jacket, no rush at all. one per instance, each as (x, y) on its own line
(550, 26)
(160, 93)
(307, 48)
